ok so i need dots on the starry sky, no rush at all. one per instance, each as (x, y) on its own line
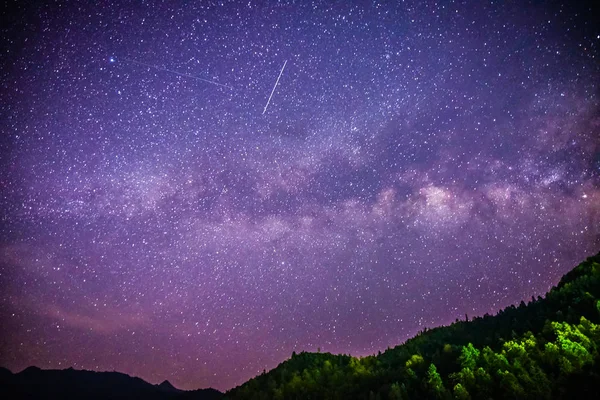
(418, 161)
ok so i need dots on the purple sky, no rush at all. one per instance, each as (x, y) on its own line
(417, 161)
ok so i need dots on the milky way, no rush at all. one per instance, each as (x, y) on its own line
(417, 162)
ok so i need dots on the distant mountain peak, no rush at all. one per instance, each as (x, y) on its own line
(167, 385)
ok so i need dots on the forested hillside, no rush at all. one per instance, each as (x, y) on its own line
(546, 349)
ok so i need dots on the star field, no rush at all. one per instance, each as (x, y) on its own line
(418, 161)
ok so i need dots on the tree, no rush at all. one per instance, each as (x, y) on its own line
(395, 392)
(510, 384)
(469, 356)
(435, 385)
(460, 393)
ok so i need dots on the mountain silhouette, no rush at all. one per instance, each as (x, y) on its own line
(36, 383)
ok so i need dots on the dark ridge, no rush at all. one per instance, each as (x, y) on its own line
(35, 383)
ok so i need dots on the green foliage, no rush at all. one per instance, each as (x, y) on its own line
(435, 385)
(469, 356)
(546, 349)
(460, 393)
(396, 392)
(415, 361)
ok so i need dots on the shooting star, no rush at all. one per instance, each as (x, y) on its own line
(273, 91)
(113, 59)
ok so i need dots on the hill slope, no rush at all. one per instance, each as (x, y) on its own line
(35, 383)
(546, 349)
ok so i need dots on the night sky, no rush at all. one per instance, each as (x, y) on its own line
(417, 162)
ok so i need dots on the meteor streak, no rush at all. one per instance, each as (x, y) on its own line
(273, 91)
